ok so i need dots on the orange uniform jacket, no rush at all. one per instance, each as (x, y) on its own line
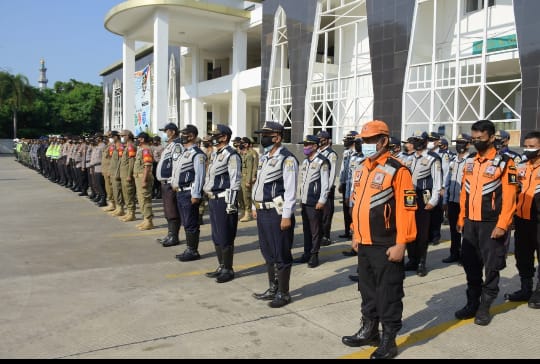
(384, 203)
(488, 190)
(529, 180)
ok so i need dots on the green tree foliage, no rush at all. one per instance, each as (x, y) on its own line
(71, 107)
(15, 93)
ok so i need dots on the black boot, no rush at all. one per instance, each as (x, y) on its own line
(227, 273)
(534, 301)
(172, 237)
(219, 254)
(367, 335)
(421, 271)
(282, 297)
(169, 233)
(523, 294)
(473, 301)
(387, 348)
(313, 260)
(411, 265)
(483, 317)
(270, 293)
(102, 202)
(191, 253)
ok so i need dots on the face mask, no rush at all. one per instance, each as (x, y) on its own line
(347, 144)
(481, 145)
(122, 140)
(307, 151)
(215, 141)
(242, 147)
(111, 140)
(431, 145)
(267, 141)
(369, 149)
(498, 144)
(207, 145)
(323, 144)
(461, 148)
(184, 139)
(358, 146)
(530, 153)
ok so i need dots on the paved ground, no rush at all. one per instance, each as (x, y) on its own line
(77, 283)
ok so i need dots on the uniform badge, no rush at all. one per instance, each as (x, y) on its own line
(424, 162)
(201, 159)
(221, 156)
(538, 175)
(410, 198)
(357, 176)
(469, 168)
(490, 171)
(273, 162)
(187, 154)
(289, 165)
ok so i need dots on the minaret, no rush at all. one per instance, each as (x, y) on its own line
(42, 76)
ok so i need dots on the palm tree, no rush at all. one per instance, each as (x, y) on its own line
(15, 91)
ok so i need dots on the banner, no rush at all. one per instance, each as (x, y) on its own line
(143, 91)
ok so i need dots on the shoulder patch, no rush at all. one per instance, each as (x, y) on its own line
(410, 198)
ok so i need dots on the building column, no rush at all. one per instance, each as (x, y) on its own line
(160, 107)
(198, 114)
(238, 97)
(128, 84)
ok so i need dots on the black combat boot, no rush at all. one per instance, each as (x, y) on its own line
(172, 236)
(169, 233)
(191, 253)
(270, 293)
(387, 348)
(473, 301)
(483, 317)
(534, 301)
(282, 297)
(421, 270)
(313, 260)
(523, 294)
(367, 335)
(227, 273)
(102, 202)
(217, 272)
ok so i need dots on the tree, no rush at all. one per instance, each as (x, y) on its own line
(15, 92)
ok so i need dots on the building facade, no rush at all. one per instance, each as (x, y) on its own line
(420, 65)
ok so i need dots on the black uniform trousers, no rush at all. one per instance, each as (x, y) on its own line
(380, 283)
(224, 225)
(455, 237)
(479, 251)
(189, 213)
(312, 226)
(527, 242)
(328, 213)
(437, 217)
(168, 197)
(275, 244)
(419, 247)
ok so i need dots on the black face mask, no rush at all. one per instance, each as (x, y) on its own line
(358, 146)
(266, 141)
(184, 139)
(419, 144)
(348, 143)
(215, 140)
(498, 144)
(461, 148)
(482, 145)
(531, 154)
(242, 147)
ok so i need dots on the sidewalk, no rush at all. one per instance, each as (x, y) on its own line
(78, 283)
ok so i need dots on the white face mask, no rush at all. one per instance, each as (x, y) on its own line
(111, 140)
(122, 140)
(369, 149)
(431, 145)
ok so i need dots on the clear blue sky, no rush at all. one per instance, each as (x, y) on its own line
(68, 34)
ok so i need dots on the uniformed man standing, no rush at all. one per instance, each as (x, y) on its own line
(426, 172)
(314, 190)
(114, 172)
(437, 215)
(207, 149)
(528, 222)
(172, 152)
(274, 200)
(127, 161)
(249, 175)
(188, 176)
(348, 143)
(105, 169)
(157, 150)
(221, 186)
(383, 224)
(144, 180)
(326, 150)
(487, 206)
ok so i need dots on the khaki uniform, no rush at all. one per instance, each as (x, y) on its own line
(105, 167)
(144, 160)
(127, 162)
(249, 175)
(114, 174)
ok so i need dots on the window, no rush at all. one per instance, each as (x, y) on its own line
(474, 5)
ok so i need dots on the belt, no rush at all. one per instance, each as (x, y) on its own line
(264, 205)
(185, 188)
(215, 196)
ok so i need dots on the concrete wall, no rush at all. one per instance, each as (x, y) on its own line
(6, 146)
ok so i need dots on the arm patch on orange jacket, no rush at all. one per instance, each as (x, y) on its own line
(410, 198)
(132, 151)
(147, 156)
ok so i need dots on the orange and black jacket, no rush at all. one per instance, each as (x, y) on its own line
(384, 203)
(528, 204)
(488, 189)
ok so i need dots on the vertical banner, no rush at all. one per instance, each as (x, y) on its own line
(143, 90)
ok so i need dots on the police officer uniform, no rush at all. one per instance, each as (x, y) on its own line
(127, 162)
(328, 212)
(144, 180)
(426, 172)
(249, 175)
(164, 169)
(437, 214)
(114, 172)
(274, 200)
(348, 143)
(189, 170)
(383, 223)
(222, 186)
(487, 206)
(314, 190)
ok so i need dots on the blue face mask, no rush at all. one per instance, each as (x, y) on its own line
(369, 149)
